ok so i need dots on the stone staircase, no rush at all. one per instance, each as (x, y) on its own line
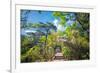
(58, 56)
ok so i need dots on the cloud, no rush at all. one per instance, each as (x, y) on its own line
(55, 22)
(61, 28)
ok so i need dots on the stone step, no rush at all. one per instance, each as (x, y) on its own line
(58, 56)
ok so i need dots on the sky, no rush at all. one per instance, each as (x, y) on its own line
(45, 16)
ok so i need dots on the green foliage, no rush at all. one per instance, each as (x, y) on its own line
(79, 43)
(83, 19)
(66, 52)
(74, 41)
(49, 53)
(26, 42)
(42, 39)
(32, 55)
(60, 16)
(56, 14)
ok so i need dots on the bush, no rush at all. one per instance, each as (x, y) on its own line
(66, 52)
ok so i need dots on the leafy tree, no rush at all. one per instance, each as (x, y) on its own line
(66, 52)
(77, 34)
(41, 45)
(26, 42)
(32, 55)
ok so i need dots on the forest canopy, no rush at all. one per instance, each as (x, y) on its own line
(54, 35)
